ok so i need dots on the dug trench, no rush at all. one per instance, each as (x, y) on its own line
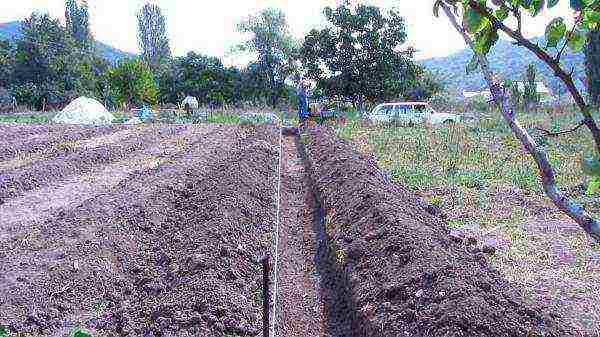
(310, 299)
(390, 267)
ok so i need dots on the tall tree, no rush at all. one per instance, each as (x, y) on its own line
(7, 61)
(592, 62)
(530, 95)
(275, 46)
(78, 20)
(152, 36)
(357, 55)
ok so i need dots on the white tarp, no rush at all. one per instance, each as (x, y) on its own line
(192, 102)
(84, 111)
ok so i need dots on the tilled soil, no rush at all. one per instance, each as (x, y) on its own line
(404, 276)
(94, 152)
(171, 250)
(46, 140)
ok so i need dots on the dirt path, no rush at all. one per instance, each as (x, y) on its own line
(305, 293)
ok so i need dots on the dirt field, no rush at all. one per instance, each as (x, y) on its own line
(156, 232)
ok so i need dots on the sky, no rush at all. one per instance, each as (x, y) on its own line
(208, 26)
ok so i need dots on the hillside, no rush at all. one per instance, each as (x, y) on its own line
(12, 31)
(508, 60)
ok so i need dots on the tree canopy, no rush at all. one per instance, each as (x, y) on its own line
(152, 35)
(358, 55)
(271, 40)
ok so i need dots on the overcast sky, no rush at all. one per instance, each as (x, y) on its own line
(208, 26)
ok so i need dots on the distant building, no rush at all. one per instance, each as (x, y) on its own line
(541, 88)
(470, 94)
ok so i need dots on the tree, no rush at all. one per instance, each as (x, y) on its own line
(49, 64)
(131, 83)
(357, 55)
(530, 94)
(77, 21)
(482, 22)
(275, 46)
(152, 36)
(592, 63)
(7, 62)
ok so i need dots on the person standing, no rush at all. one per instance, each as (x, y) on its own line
(302, 101)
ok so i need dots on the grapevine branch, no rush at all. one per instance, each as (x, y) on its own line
(559, 133)
(546, 172)
(566, 78)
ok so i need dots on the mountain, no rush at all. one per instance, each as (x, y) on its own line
(12, 31)
(508, 60)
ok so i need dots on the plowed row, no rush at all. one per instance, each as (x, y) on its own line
(155, 234)
(398, 270)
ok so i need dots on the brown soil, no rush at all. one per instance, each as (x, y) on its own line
(46, 141)
(168, 251)
(301, 311)
(91, 154)
(403, 273)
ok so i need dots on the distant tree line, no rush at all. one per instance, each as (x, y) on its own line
(357, 57)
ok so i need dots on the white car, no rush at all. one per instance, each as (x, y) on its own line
(410, 113)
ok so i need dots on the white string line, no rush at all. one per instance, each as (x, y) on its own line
(275, 262)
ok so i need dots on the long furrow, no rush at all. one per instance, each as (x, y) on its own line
(306, 289)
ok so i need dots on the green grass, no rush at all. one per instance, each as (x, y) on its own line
(39, 118)
(483, 180)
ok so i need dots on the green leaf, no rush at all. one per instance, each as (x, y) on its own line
(576, 4)
(536, 7)
(593, 187)
(3, 331)
(576, 40)
(552, 3)
(79, 332)
(591, 166)
(555, 31)
(484, 40)
(501, 13)
(472, 20)
(591, 17)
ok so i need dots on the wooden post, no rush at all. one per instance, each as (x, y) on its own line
(266, 294)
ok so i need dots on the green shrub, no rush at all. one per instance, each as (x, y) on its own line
(132, 83)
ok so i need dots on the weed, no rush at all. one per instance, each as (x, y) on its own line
(80, 332)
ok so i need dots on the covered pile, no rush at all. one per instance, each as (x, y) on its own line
(84, 111)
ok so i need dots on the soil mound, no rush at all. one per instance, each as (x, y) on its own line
(405, 276)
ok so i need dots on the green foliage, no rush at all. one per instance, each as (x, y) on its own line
(555, 31)
(276, 48)
(594, 186)
(132, 83)
(78, 21)
(80, 332)
(357, 55)
(3, 331)
(592, 63)
(152, 36)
